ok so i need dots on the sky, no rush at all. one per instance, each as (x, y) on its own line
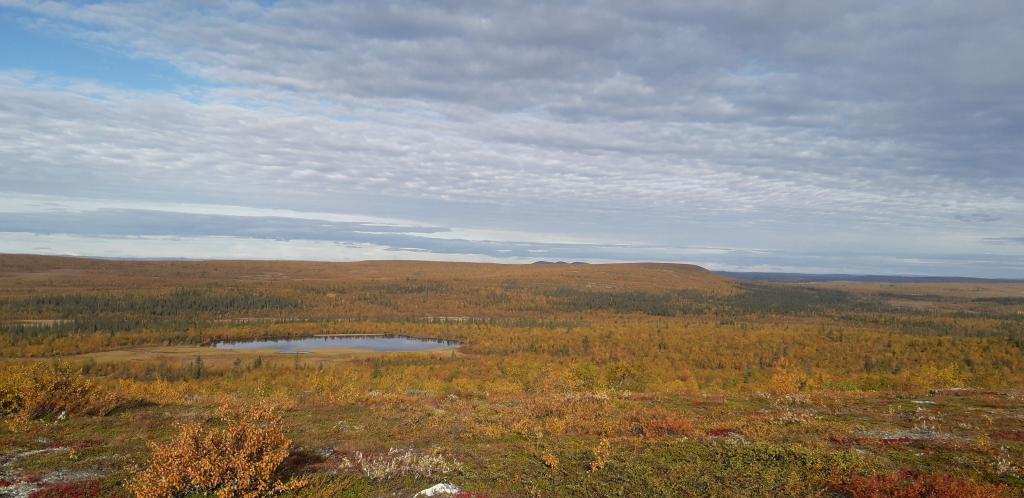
(870, 137)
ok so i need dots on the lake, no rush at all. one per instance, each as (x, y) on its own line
(373, 343)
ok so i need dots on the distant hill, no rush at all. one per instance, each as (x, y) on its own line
(842, 277)
(58, 271)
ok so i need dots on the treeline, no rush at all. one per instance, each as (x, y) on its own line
(179, 309)
(759, 299)
(177, 302)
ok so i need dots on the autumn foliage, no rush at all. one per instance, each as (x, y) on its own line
(236, 459)
(570, 380)
(915, 485)
(33, 391)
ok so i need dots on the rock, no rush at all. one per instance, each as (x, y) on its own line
(441, 489)
(18, 490)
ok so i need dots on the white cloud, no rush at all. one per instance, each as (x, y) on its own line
(839, 129)
(214, 247)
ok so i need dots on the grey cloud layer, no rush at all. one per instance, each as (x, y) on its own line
(112, 223)
(858, 129)
(114, 226)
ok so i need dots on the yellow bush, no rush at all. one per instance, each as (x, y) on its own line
(159, 392)
(550, 460)
(236, 460)
(32, 391)
(787, 379)
(678, 387)
(503, 388)
(931, 377)
(601, 454)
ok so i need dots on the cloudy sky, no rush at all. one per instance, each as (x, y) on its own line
(841, 136)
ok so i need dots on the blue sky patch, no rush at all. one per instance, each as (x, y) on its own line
(51, 52)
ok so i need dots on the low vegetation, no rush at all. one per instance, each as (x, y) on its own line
(237, 459)
(572, 380)
(912, 485)
(33, 391)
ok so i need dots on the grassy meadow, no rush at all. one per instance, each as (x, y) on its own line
(571, 380)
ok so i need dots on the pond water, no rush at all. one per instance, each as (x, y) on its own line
(373, 343)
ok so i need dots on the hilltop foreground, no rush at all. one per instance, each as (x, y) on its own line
(570, 380)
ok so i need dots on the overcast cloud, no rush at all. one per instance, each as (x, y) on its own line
(864, 137)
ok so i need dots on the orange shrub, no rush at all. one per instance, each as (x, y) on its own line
(914, 485)
(660, 422)
(550, 460)
(670, 426)
(236, 460)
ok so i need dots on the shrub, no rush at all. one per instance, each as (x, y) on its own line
(601, 454)
(670, 426)
(551, 461)
(235, 460)
(931, 377)
(786, 379)
(157, 392)
(33, 391)
(913, 485)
